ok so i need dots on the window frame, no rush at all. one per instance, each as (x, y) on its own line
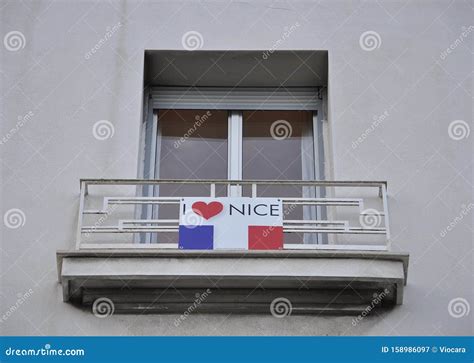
(234, 101)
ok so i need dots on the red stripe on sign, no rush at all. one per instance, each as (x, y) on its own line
(265, 238)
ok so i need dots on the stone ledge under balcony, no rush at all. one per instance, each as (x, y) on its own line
(167, 281)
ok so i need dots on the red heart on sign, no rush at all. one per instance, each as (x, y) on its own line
(207, 210)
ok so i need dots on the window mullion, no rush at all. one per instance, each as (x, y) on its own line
(149, 166)
(234, 171)
(319, 167)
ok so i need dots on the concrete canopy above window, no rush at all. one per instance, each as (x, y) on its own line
(254, 68)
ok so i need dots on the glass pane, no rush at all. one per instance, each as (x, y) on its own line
(279, 145)
(191, 144)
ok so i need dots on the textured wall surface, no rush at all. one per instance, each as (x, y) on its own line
(415, 67)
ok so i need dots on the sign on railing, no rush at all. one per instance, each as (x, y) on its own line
(136, 213)
(231, 223)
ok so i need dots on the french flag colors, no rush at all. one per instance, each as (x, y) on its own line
(202, 238)
(231, 223)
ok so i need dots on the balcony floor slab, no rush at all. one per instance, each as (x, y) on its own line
(157, 281)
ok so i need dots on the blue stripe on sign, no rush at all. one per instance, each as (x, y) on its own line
(196, 237)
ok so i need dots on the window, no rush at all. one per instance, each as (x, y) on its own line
(235, 134)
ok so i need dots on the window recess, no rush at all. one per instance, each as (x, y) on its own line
(234, 133)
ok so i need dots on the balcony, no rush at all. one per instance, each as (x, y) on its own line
(336, 255)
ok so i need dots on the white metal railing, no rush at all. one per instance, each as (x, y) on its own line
(372, 221)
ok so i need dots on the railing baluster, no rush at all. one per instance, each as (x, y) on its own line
(80, 216)
(385, 211)
(254, 190)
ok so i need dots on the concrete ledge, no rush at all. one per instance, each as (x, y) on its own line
(316, 280)
(111, 253)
